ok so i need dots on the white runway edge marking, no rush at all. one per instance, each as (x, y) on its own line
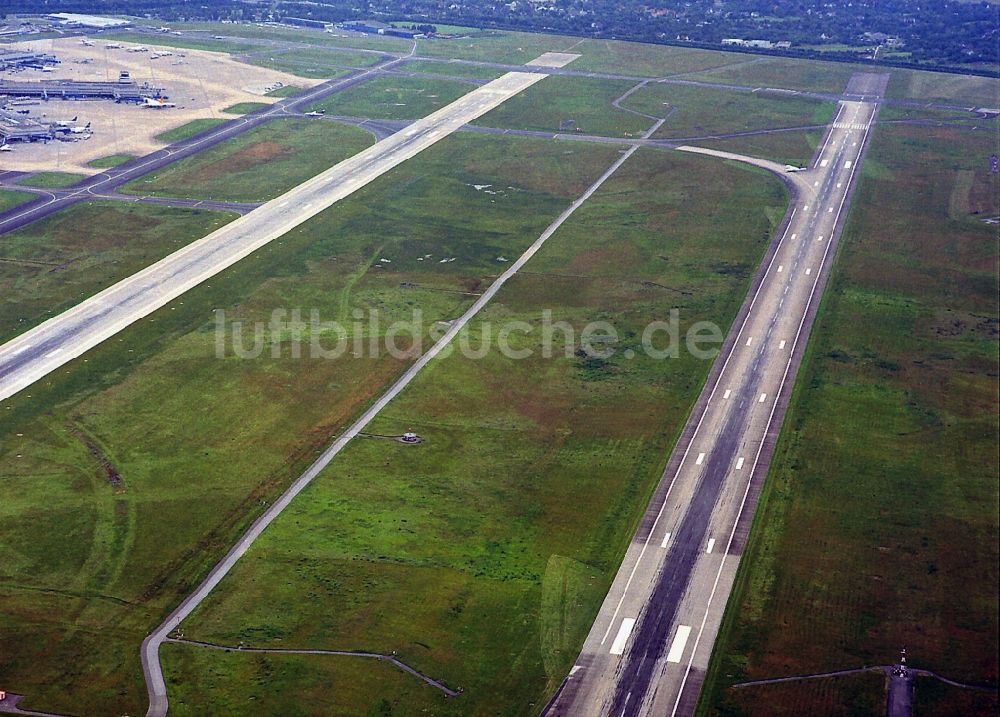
(711, 544)
(739, 463)
(618, 646)
(728, 393)
(680, 642)
(666, 539)
(700, 459)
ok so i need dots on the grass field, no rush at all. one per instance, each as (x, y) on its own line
(877, 528)
(471, 555)
(947, 88)
(858, 695)
(188, 43)
(315, 62)
(786, 147)
(569, 104)
(10, 199)
(132, 473)
(394, 98)
(300, 34)
(190, 129)
(112, 160)
(286, 91)
(259, 164)
(56, 262)
(700, 111)
(242, 108)
(454, 69)
(51, 180)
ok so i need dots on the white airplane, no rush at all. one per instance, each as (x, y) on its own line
(64, 123)
(793, 168)
(156, 104)
(6, 148)
(88, 43)
(80, 130)
(315, 113)
(138, 49)
(113, 46)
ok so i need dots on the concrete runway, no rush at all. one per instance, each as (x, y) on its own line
(649, 647)
(37, 352)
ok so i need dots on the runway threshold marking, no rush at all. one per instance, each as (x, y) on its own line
(782, 344)
(680, 642)
(618, 646)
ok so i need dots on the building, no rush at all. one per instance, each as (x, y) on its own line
(124, 90)
(96, 22)
(20, 60)
(15, 127)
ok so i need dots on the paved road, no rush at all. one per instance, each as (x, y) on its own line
(650, 644)
(35, 353)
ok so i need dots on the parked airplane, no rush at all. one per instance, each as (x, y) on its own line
(113, 46)
(88, 43)
(156, 104)
(793, 168)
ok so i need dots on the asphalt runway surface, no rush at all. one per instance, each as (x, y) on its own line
(38, 351)
(649, 647)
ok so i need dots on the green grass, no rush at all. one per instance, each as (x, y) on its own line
(315, 62)
(469, 554)
(51, 180)
(88, 567)
(569, 104)
(394, 98)
(10, 199)
(858, 695)
(112, 160)
(257, 165)
(700, 111)
(242, 108)
(189, 129)
(165, 40)
(286, 91)
(946, 88)
(813, 75)
(454, 69)
(877, 528)
(795, 148)
(56, 262)
(299, 34)
(636, 58)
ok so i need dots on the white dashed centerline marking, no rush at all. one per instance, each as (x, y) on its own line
(618, 646)
(677, 646)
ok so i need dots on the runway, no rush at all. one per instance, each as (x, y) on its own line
(37, 352)
(651, 641)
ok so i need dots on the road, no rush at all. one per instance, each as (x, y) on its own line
(651, 641)
(37, 352)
